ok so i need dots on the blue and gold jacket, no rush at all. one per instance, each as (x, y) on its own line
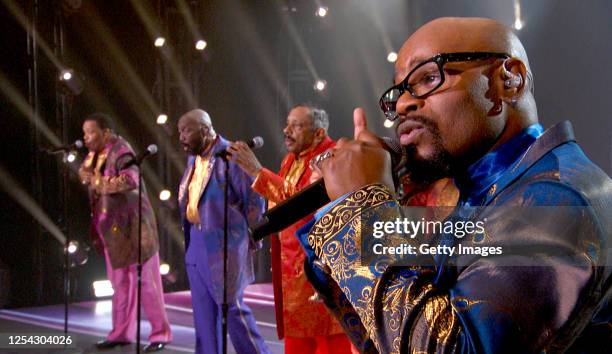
(546, 205)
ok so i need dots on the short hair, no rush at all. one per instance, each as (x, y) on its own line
(103, 120)
(320, 118)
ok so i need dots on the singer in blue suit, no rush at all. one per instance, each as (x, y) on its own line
(201, 202)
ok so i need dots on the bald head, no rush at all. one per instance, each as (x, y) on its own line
(196, 132)
(199, 116)
(457, 34)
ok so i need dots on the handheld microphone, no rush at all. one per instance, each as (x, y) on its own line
(309, 199)
(253, 144)
(137, 160)
(76, 145)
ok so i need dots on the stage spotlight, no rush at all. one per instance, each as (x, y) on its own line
(320, 85)
(392, 57)
(164, 268)
(103, 288)
(162, 119)
(322, 11)
(164, 195)
(69, 82)
(518, 24)
(77, 254)
(200, 44)
(70, 157)
(160, 41)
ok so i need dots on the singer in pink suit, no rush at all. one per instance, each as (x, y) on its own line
(113, 194)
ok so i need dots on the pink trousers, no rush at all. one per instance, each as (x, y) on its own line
(124, 281)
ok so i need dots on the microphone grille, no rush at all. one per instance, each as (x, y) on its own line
(257, 142)
(152, 149)
(393, 144)
(78, 144)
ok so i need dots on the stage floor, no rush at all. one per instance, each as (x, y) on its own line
(91, 321)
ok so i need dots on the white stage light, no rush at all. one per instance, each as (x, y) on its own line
(392, 57)
(162, 119)
(66, 74)
(164, 195)
(200, 44)
(389, 123)
(322, 11)
(320, 85)
(103, 288)
(160, 41)
(164, 268)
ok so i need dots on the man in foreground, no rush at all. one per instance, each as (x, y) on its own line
(201, 202)
(113, 193)
(464, 107)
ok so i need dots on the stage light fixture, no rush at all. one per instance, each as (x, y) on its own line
(73, 247)
(103, 288)
(322, 11)
(66, 74)
(160, 41)
(77, 254)
(200, 44)
(164, 268)
(320, 85)
(164, 195)
(392, 57)
(518, 24)
(162, 119)
(71, 157)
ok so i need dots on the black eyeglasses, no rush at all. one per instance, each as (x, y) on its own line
(427, 77)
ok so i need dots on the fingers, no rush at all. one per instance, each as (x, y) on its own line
(360, 122)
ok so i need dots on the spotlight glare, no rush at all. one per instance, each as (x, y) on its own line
(518, 24)
(66, 74)
(320, 85)
(103, 288)
(201, 44)
(392, 57)
(72, 247)
(159, 41)
(389, 123)
(164, 268)
(164, 195)
(322, 11)
(162, 119)
(71, 157)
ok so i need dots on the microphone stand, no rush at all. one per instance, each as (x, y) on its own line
(224, 306)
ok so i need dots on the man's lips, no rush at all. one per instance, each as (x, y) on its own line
(408, 131)
(289, 141)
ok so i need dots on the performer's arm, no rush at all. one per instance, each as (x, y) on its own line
(496, 304)
(125, 180)
(253, 205)
(272, 186)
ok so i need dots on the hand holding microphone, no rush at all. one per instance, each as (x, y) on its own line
(242, 154)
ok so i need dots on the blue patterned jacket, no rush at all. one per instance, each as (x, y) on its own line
(548, 208)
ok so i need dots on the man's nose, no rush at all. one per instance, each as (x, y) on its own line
(408, 103)
(287, 130)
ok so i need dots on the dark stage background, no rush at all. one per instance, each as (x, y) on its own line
(262, 57)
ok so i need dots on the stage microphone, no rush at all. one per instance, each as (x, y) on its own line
(76, 145)
(308, 200)
(253, 144)
(137, 160)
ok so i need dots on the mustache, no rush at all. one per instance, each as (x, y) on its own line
(424, 120)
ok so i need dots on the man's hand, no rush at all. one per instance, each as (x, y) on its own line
(356, 163)
(245, 158)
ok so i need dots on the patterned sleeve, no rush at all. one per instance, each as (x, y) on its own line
(125, 180)
(512, 303)
(272, 186)
(253, 205)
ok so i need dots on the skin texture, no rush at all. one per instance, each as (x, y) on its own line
(95, 139)
(300, 134)
(472, 113)
(196, 133)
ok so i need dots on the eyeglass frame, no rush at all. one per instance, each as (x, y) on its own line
(440, 59)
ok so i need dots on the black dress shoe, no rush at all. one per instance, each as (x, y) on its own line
(109, 344)
(154, 347)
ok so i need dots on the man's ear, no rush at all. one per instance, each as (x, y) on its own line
(320, 134)
(510, 79)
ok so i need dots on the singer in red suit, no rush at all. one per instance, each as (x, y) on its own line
(301, 318)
